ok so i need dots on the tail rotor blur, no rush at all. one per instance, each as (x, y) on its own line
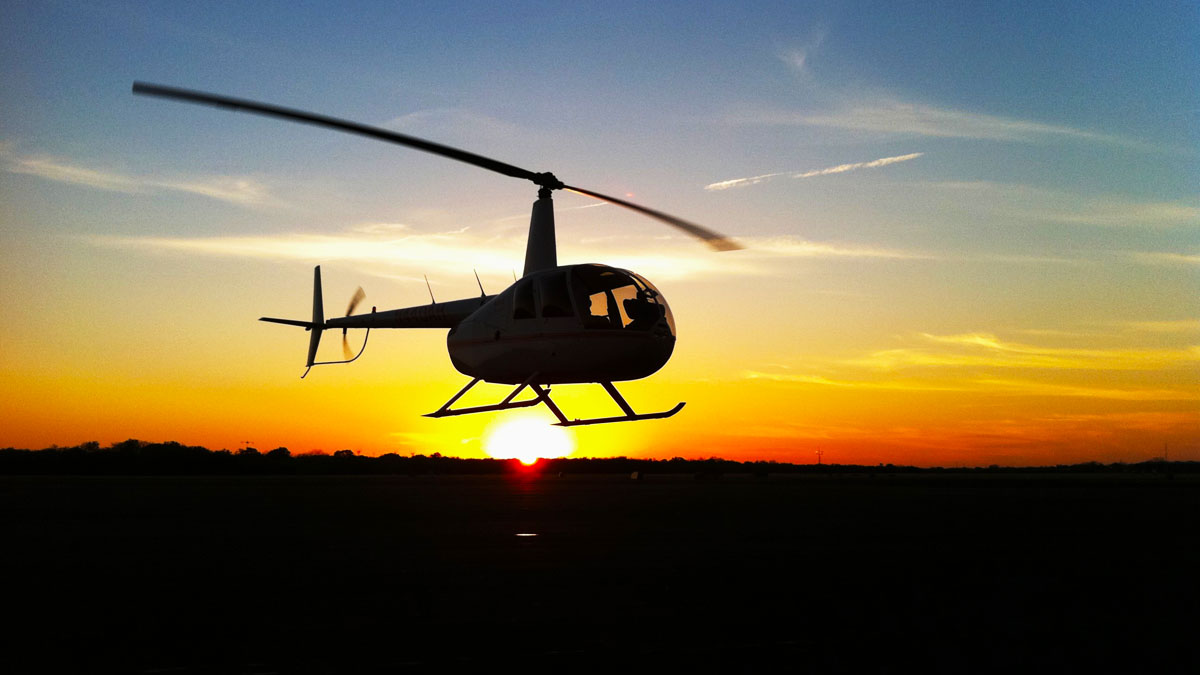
(358, 296)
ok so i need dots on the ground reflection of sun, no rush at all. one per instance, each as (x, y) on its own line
(527, 438)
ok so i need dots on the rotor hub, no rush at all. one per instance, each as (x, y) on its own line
(548, 181)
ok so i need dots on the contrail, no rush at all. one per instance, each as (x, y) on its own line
(841, 168)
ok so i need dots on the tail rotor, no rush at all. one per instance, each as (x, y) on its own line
(358, 296)
(317, 325)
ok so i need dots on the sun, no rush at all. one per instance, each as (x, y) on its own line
(527, 439)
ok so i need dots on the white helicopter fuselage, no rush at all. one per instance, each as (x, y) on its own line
(573, 324)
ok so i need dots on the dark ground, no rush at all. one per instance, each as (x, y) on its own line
(378, 574)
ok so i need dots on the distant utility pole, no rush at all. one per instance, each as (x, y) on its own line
(819, 453)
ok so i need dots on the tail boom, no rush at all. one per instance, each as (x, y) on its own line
(435, 315)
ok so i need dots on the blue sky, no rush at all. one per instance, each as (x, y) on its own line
(1025, 171)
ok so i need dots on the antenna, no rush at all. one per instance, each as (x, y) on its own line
(482, 294)
(431, 300)
(819, 453)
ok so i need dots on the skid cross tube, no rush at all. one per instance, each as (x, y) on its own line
(543, 396)
(506, 404)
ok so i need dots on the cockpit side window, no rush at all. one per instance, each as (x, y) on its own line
(556, 302)
(616, 299)
(523, 300)
(597, 315)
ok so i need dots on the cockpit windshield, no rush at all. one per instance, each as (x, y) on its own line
(657, 298)
(611, 298)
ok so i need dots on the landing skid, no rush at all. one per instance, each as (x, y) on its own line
(543, 396)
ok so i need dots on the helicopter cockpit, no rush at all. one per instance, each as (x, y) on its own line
(614, 298)
(604, 298)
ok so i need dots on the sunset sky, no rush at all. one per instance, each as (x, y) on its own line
(972, 232)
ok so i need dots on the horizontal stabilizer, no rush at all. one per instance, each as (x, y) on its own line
(288, 322)
(317, 325)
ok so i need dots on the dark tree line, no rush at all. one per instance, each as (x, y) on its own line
(134, 457)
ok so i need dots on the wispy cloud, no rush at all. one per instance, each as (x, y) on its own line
(50, 169)
(1180, 326)
(1023, 259)
(1037, 203)
(381, 228)
(973, 363)
(232, 189)
(1033, 388)
(398, 250)
(1117, 328)
(1126, 213)
(557, 209)
(1155, 421)
(448, 123)
(890, 385)
(424, 439)
(892, 117)
(986, 350)
(393, 250)
(924, 120)
(384, 249)
(841, 168)
(1166, 258)
(793, 247)
(1005, 387)
(798, 57)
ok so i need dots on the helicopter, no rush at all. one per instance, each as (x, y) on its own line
(557, 324)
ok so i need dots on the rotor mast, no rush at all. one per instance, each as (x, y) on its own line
(540, 249)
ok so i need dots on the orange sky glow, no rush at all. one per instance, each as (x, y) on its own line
(942, 266)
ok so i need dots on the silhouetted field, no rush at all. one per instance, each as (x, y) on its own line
(953, 573)
(142, 458)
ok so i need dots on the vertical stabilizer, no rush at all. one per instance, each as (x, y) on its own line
(318, 318)
(540, 249)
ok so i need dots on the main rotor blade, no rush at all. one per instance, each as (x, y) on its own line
(546, 180)
(715, 240)
(175, 93)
